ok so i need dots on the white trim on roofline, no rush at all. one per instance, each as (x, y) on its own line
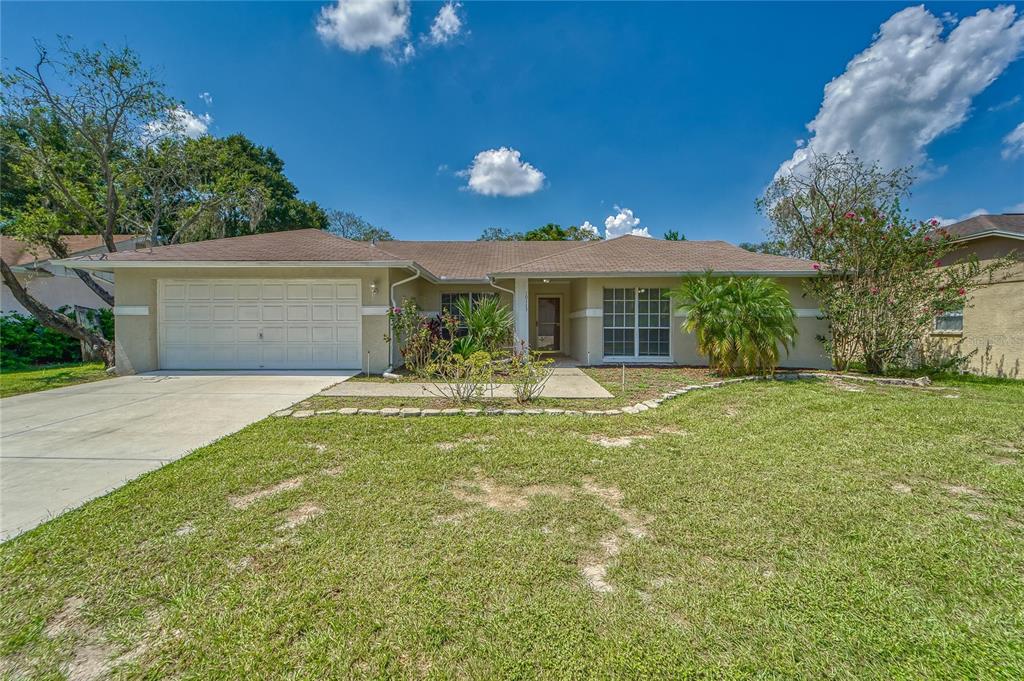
(110, 265)
(990, 232)
(622, 275)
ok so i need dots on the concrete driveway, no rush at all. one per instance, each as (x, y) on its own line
(60, 448)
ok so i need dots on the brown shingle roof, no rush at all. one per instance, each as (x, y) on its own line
(474, 260)
(306, 245)
(639, 254)
(1007, 222)
(17, 252)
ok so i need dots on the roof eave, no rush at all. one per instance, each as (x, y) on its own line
(111, 265)
(680, 273)
(989, 232)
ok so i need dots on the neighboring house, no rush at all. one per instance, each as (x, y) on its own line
(306, 299)
(51, 283)
(992, 325)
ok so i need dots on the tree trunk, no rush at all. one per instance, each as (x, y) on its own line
(104, 295)
(55, 320)
(874, 363)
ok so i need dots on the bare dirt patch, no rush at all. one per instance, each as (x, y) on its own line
(593, 566)
(844, 386)
(182, 530)
(66, 619)
(901, 488)
(669, 430)
(316, 446)
(964, 491)
(300, 516)
(731, 411)
(479, 440)
(246, 500)
(622, 441)
(486, 492)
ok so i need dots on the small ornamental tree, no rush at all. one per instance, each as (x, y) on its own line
(883, 277)
(886, 279)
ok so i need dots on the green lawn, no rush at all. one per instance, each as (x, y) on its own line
(761, 529)
(34, 379)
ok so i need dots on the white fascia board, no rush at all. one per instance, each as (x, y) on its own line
(992, 232)
(651, 275)
(112, 265)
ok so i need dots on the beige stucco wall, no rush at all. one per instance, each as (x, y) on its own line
(993, 315)
(136, 336)
(589, 294)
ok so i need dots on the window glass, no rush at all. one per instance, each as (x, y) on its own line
(619, 322)
(952, 320)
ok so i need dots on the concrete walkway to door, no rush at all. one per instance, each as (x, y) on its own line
(60, 448)
(564, 383)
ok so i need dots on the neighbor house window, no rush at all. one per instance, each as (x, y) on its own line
(637, 322)
(951, 321)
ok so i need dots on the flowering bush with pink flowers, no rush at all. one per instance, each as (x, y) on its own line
(882, 277)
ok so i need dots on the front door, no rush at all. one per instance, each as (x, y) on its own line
(549, 324)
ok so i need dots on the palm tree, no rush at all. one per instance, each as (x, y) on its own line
(740, 323)
(488, 322)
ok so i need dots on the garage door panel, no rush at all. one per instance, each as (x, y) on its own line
(248, 313)
(348, 313)
(199, 313)
(298, 313)
(224, 313)
(224, 292)
(253, 324)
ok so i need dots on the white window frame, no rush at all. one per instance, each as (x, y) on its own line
(636, 357)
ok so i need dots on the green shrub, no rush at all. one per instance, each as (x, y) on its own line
(24, 341)
(739, 322)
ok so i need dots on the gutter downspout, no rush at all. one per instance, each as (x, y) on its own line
(391, 298)
(490, 280)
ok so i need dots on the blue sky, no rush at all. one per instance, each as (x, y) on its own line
(680, 113)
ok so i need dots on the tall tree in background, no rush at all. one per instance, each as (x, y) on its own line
(92, 145)
(548, 232)
(351, 226)
(674, 235)
(884, 277)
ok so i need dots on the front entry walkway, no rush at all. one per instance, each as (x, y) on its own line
(564, 383)
(60, 448)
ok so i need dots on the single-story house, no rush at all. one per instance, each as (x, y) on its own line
(306, 299)
(991, 327)
(52, 283)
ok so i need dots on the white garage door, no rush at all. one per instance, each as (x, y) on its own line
(259, 324)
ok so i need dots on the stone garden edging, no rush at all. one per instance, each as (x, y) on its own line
(637, 408)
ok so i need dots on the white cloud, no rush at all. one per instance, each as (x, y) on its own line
(910, 86)
(587, 227)
(623, 223)
(1011, 102)
(179, 121)
(359, 25)
(206, 97)
(945, 222)
(502, 172)
(1013, 144)
(447, 24)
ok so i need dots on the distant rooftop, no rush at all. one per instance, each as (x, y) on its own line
(983, 224)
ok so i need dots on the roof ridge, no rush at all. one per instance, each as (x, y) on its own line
(583, 244)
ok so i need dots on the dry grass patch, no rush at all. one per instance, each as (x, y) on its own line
(300, 516)
(244, 501)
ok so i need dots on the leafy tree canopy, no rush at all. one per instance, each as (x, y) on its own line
(548, 232)
(351, 226)
(674, 235)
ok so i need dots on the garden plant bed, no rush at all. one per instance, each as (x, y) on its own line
(784, 529)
